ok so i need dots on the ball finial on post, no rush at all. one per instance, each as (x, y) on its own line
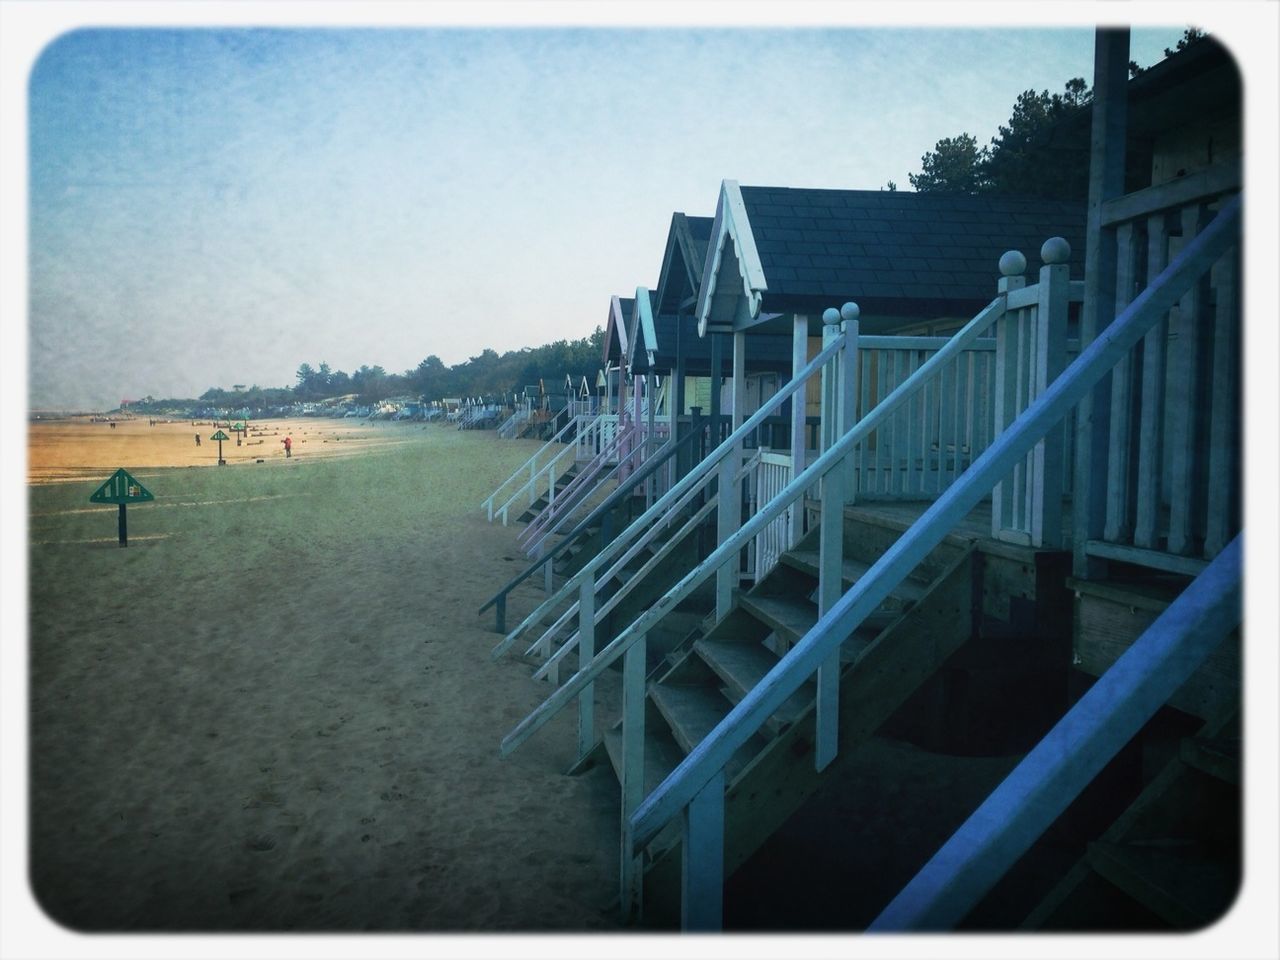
(831, 316)
(1055, 250)
(850, 311)
(1013, 264)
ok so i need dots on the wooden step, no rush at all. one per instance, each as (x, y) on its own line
(692, 712)
(790, 617)
(743, 665)
(661, 756)
(1217, 756)
(851, 571)
(1176, 882)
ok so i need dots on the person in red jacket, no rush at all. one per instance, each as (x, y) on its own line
(288, 447)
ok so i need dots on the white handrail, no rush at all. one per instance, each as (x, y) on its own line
(699, 475)
(529, 464)
(705, 764)
(801, 482)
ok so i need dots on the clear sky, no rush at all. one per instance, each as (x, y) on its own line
(213, 207)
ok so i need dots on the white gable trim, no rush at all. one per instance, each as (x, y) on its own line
(731, 223)
(642, 328)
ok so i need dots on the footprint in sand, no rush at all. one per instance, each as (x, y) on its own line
(261, 843)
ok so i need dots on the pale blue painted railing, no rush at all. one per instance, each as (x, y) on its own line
(1053, 774)
(509, 427)
(695, 789)
(537, 474)
(606, 464)
(666, 507)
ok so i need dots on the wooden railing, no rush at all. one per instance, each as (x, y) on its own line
(772, 472)
(1173, 457)
(1072, 754)
(540, 472)
(607, 462)
(696, 787)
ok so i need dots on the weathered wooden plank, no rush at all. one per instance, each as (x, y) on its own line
(1184, 392)
(799, 353)
(1151, 432)
(631, 866)
(1005, 401)
(702, 855)
(1051, 342)
(1109, 116)
(1224, 416)
(586, 650)
(1119, 525)
(1219, 179)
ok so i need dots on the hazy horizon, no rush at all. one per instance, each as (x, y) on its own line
(218, 206)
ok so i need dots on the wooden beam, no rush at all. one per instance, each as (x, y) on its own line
(1106, 182)
(1205, 184)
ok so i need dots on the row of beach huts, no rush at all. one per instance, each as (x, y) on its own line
(958, 475)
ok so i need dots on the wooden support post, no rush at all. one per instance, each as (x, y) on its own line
(702, 859)
(849, 386)
(1050, 359)
(830, 554)
(586, 651)
(651, 394)
(1106, 181)
(633, 710)
(124, 527)
(799, 357)
(1151, 432)
(1012, 265)
(717, 378)
(1224, 426)
(1117, 526)
(1184, 400)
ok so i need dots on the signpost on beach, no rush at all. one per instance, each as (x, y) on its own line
(240, 429)
(122, 489)
(220, 436)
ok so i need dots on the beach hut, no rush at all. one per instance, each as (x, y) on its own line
(1023, 515)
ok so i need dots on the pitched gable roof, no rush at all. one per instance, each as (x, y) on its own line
(890, 250)
(683, 257)
(615, 331)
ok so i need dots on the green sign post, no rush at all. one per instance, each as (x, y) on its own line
(220, 436)
(240, 430)
(122, 489)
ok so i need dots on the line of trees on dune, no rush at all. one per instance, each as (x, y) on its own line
(1035, 154)
(489, 374)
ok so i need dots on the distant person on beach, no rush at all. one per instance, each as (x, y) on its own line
(288, 447)
(197, 439)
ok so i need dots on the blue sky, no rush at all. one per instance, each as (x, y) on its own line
(213, 206)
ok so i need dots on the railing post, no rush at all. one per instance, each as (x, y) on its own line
(586, 651)
(702, 859)
(799, 356)
(849, 387)
(1012, 266)
(633, 708)
(1106, 180)
(831, 542)
(1050, 359)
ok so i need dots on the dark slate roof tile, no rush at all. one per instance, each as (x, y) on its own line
(900, 247)
(805, 246)
(793, 260)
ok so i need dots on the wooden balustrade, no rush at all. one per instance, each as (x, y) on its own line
(1173, 456)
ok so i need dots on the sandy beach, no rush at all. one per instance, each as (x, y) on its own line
(275, 710)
